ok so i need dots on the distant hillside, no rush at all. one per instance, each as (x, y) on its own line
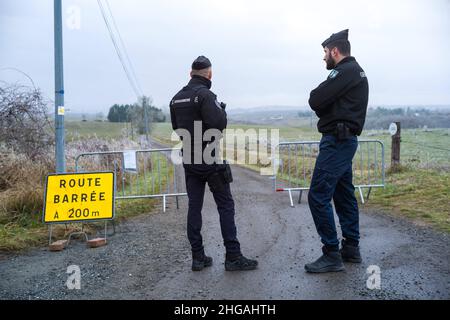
(264, 115)
(377, 117)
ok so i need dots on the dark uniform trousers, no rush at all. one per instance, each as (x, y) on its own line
(332, 179)
(196, 179)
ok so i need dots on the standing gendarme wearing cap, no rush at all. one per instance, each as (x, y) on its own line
(340, 102)
(193, 111)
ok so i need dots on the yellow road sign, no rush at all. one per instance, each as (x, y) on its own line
(78, 197)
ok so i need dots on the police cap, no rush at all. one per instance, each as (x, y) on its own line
(200, 63)
(341, 35)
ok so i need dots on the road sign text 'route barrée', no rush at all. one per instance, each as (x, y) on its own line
(78, 197)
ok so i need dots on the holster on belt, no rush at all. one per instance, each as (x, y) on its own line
(220, 177)
(342, 131)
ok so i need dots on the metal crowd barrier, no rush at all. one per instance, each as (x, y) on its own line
(296, 162)
(139, 173)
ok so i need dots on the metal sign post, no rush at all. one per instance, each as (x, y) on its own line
(59, 90)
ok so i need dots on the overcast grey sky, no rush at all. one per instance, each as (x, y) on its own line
(263, 52)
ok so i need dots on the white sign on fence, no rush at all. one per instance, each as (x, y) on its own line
(129, 161)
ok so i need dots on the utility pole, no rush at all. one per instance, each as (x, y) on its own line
(59, 89)
(131, 124)
(144, 105)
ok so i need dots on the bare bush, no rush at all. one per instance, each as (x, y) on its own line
(24, 124)
(22, 180)
(21, 186)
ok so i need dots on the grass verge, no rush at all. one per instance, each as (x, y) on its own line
(22, 196)
(421, 195)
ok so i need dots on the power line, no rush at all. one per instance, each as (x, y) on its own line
(124, 48)
(118, 51)
(426, 146)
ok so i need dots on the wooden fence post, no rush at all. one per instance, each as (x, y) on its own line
(395, 154)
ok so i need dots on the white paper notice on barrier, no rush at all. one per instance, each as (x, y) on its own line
(129, 161)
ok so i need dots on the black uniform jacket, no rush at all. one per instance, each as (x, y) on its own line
(196, 102)
(343, 97)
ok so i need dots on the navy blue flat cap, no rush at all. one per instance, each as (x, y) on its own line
(200, 63)
(341, 35)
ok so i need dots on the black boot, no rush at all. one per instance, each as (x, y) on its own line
(200, 262)
(350, 252)
(330, 261)
(239, 263)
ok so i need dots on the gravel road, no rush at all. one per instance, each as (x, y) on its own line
(149, 257)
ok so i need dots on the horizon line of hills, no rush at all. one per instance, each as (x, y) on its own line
(289, 108)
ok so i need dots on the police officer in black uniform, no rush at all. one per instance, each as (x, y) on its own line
(196, 105)
(340, 102)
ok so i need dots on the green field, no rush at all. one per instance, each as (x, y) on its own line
(79, 130)
(420, 191)
(427, 149)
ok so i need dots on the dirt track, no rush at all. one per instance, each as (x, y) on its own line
(149, 257)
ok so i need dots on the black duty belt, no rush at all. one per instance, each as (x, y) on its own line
(341, 132)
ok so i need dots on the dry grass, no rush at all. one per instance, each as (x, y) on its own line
(21, 199)
(22, 194)
(21, 185)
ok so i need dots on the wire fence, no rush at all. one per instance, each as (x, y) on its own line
(296, 162)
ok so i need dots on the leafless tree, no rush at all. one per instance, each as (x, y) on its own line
(24, 122)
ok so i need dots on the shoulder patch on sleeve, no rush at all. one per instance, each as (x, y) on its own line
(362, 74)
(181, 101)
(333, 74)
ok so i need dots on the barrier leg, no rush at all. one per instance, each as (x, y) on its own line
(290, 198)
(361, 195)
(50, 235)
(368, 193)
(164, 203)
(300, 196)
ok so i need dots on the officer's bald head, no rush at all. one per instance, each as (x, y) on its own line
(205, 73)
(201, 63)
(202, 67)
